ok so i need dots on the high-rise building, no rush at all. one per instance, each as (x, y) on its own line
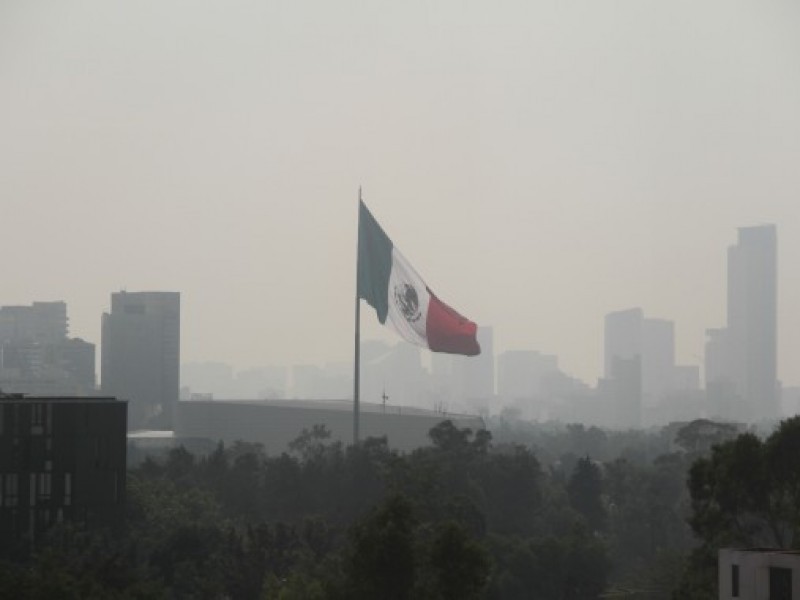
(41, 321)
(743, 356)
(629, 334)
(621, 393)
(622, 337)
(140, 355)
(61, 459)
(37, 357)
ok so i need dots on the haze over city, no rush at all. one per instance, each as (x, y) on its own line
(576, 265)
(540, 165)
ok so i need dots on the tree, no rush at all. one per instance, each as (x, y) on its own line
(459, 565)
(701, 434)
(747, 493)
(382, 557)
(585, 489)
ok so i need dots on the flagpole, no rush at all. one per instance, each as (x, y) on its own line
(357, 361)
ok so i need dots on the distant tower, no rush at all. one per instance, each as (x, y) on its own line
(623, 336)
(628, 334)
(622, 392)
(141, 355)
(752, 320)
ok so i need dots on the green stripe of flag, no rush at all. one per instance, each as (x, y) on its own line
(374, 263)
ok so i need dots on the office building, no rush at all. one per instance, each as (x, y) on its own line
(41, 321)
(621, 393)
(140, 355)
(752, 317)
(742, 357)
(622, 336)
(61, 459)
(38, 357)
(628, 334)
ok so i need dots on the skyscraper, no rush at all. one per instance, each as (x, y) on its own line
(37, 356)
(140, 355)
(629, 334)
(748, 361)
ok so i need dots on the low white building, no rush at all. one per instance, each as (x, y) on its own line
(759, 574)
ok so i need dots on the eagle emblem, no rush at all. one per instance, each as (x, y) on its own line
(407, 300)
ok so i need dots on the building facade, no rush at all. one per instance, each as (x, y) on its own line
(741, 358)
(752, 317)
(140, 355)
(61, 459)
(37, 356)
(758, 574)
(629, 334)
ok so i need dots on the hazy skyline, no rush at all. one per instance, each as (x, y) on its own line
(540, 164)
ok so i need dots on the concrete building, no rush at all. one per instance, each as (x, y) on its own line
(742, 357)
(61, 459)
(275, 423)
(622, 337)
(140, 357)
(752, 318)
(37, 356)
(621, 394)
(658, 359)
(629, 334)
(42, 321)
(758, 574)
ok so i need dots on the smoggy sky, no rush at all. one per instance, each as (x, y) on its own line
(539, 163)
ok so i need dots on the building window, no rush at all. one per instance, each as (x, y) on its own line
(49, 419)
(735, 581)
(45, 486)
(37, 419)
(780, 583)
(67, 489)
(43, 518)
(10, 490)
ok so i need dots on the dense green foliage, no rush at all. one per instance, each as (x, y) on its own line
(745, 494)
(565, 513)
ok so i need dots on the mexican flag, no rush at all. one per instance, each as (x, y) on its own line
(402, 300)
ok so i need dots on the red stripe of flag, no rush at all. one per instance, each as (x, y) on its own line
(448, 331)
